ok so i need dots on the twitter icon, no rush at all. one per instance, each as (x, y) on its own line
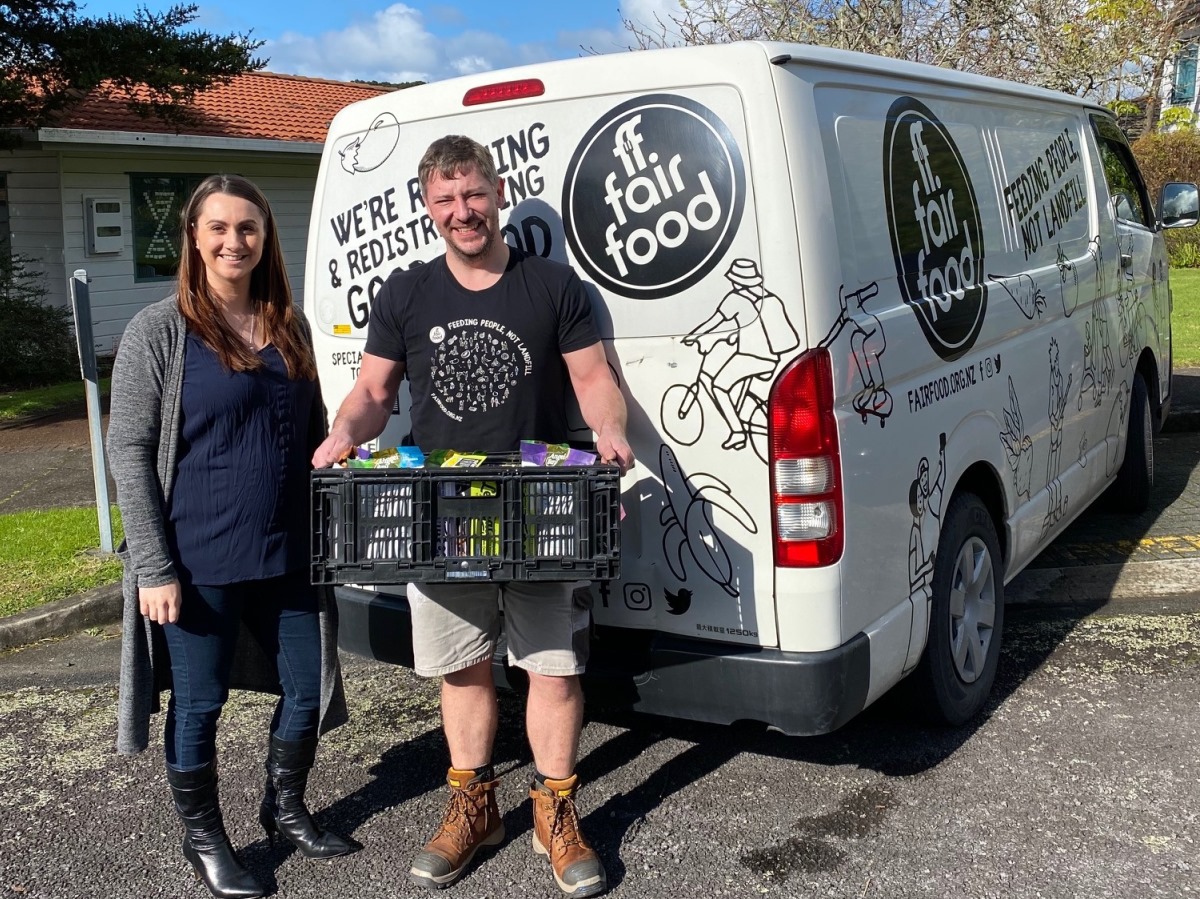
(678, 603)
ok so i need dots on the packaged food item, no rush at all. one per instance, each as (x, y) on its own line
(393, 457)
(454, 459)
(536, 453)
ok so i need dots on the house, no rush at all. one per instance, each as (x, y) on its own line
(102, 190)
(1179, 76)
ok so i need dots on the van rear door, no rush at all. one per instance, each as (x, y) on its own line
(646, 190)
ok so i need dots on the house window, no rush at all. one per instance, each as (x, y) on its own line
(1183, 89)
(157, 202)
(5, 231)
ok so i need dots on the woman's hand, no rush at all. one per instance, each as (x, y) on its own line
(161, 604)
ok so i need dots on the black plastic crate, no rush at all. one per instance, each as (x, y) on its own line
(445, 525)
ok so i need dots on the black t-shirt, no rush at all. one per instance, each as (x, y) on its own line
(485, 367)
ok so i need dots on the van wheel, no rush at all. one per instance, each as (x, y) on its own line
(1130, 492)
(966, 620)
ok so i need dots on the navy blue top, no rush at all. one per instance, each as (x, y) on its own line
(239, 508)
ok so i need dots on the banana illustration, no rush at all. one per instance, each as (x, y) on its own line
(687, 519)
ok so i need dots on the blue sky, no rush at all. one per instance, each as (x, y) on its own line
(413, 40)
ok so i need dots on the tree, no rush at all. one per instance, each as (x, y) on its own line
(50, 358)
(1151, 29)
(1102, 49)
(51, 57)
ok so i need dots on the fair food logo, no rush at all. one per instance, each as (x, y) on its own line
(653, 196)
(937, 239)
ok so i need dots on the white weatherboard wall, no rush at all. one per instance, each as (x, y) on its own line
(46, 199)
(35, 214)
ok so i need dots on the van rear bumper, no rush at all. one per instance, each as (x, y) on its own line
(799, 693)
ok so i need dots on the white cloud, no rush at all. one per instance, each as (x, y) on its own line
(652, 16)
(392, 45)
(396, 45)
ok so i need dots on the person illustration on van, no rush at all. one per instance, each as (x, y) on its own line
(1098, 366)
(1056, 408)
(925, 501)
(867, 343)
(734, 358)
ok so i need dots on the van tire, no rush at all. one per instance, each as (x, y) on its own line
(1130, 492)
(966, 619)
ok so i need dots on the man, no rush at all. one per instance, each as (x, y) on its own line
(485, 334)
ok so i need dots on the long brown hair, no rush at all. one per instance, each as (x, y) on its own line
(270, 293)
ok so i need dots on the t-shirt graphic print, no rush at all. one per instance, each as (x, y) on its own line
(476, 366)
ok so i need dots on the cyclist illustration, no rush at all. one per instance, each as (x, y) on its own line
(867, 343)
(740, 345)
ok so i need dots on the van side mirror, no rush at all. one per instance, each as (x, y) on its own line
(1178, 205)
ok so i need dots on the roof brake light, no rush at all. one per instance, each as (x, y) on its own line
(504, 90)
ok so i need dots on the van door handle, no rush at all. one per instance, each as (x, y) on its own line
(1126, 260)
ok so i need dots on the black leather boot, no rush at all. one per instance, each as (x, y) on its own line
(205, 843)
(283, 810)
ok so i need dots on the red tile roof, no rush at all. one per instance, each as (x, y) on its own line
(259, 105)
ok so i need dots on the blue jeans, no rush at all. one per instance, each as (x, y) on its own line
(281, 615)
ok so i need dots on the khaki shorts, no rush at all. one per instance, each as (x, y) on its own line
(456, 626)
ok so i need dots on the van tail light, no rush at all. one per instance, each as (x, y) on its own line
(806, 471)
(504, 90)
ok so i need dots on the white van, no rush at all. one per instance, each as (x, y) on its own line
(884, 330)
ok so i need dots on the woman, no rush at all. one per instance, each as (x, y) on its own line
(215, 414)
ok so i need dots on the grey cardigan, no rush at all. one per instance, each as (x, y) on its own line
(143, 435)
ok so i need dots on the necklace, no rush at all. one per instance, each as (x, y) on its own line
(246, 327)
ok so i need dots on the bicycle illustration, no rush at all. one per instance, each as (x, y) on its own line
(682, 413)
(740, 345)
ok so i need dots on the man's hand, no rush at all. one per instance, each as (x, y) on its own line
(333, 448)
(364, 412)
(161, 604)
(615, 450)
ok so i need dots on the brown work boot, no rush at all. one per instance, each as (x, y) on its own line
(471, 820)
(556, 835)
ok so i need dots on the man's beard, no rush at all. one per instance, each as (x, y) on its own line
(488, 242)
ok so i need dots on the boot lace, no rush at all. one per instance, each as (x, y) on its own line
(456, 820)
(565, 826)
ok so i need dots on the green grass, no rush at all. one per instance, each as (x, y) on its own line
(17, 404)
(1185, 317)
(48, 555)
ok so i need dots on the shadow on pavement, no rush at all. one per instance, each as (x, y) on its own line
(887, 738)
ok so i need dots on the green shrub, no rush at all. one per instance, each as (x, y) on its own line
(1168, 156)
(1172, 156)
(1177, 117)
(37, 341)
(1183, 250)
